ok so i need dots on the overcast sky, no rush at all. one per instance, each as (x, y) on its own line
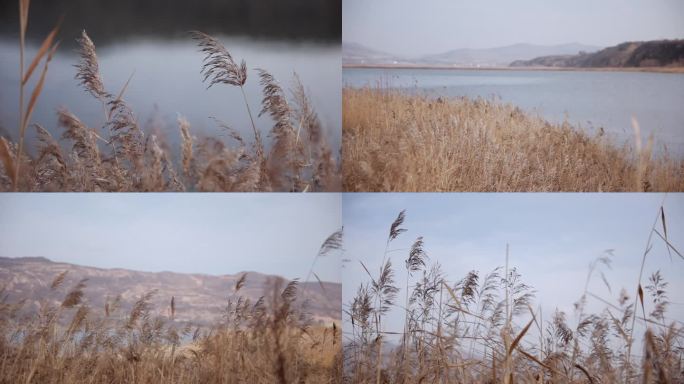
(412, 27)
(552, 237)
(195, 232)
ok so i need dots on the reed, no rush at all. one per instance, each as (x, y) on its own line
(478, 329)
(46, 50)
(70, 340)
(120, 156)
(396, 142)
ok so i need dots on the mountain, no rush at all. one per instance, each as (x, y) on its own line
(199, 299)
(353, 53)
(659, 53)
(358, 54)
(503, 56)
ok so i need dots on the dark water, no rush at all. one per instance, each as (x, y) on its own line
(167, 82)
(112, 21)
(589, 99)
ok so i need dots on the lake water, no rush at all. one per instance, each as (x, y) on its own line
(590, 99)
(167, 82)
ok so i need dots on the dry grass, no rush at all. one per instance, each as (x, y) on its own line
(398, 142)
(483, 328)
(271, 340)
(120, 156)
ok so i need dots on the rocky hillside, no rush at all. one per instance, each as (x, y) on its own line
(661, 53)
(199, 299)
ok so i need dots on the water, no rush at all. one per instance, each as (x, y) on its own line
(167, 82)
(589, 99)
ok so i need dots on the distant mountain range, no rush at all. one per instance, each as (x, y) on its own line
(660, 53)
(199, 299)
(357, 54)
(353, 53)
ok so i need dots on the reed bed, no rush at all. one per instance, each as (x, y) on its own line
(67, 340)
(120, 156)
(393, 141)
(268, 341)
(484, 327)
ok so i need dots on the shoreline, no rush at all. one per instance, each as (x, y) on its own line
(675, 70)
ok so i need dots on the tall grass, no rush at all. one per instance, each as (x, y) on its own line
(484, 328)
(267, 341)
(68, 340)
(120, 156)
(394, 141)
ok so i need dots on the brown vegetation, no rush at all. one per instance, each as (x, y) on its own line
(392, 141)
(268, 340)
(484, 329)
(120, 156)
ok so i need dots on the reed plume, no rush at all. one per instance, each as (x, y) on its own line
(395, 141)
(118, 155)
(285, 158)
(88, 73)
(186, 145)
(478, 328)
(219, 67)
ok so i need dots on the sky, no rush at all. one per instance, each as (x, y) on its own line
(188, 233)
(409, 27)
(552, 240)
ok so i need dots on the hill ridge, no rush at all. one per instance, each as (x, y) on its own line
(355, 53)
(199, 298)
(630, 54)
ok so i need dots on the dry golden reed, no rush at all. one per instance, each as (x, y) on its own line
(483, 328)
(393, 141)
(120, 156)
(267, 341)
(69, 340)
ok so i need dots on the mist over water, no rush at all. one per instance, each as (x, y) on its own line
(589, 99)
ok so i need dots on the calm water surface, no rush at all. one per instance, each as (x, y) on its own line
(588, 99)
(167, 82)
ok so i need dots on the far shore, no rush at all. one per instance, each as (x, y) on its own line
(461, 68)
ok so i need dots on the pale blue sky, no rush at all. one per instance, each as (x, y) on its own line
(410, 27)
(199, 233)
(552, 237)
